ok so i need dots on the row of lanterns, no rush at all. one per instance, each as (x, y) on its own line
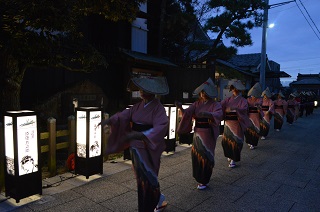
(23, 176)
(22, 149)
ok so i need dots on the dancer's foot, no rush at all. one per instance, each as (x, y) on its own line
(161, 204)
(232, 164)
(201, 186)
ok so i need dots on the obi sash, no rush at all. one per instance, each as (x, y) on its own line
(231, 116)
(202, 123)
(141, 127)
(253, 110)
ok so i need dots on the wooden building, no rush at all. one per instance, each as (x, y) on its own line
(307, 82)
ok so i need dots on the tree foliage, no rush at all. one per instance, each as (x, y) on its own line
(48, 33)
(233, 19)
(179, 21)
(225, 19)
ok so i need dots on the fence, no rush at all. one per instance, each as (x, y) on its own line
(51, 147)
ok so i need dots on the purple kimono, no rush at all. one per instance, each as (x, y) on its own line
(268, 111)
(291, 111)
(236, 122)
(206, 132)
(252, 134)
(297, 109)
(151, 119)
(280, 110)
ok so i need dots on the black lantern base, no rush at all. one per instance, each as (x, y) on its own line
(89, 166)
(126, 154)
(19, 187)
(221, 128)
(186, 138)
(170, 145)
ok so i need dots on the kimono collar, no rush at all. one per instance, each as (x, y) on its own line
(146, 104)
(237, 96)
(205, 102)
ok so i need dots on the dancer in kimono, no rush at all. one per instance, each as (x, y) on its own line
(142, 129)
(292, 104)
(309, 103)
(302, 103)
(268, 110)
(235, 110)
(252, 134)
(297, 106)
(208, 115)
(280, 111)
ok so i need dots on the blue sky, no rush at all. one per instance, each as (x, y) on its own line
(291, 42)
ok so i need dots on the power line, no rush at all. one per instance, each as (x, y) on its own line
(306, 11)
(288, 8)
(314, 65)
(313, 58)
(309, 16)
(280, 4)
(301, 66)
(307, 19)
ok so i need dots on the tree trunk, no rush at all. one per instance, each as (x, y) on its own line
(12, 73)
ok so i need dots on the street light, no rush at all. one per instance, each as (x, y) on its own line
(264, 40)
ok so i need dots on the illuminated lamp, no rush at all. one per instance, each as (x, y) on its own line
(88, 157)
(170, 138)
(23, 176)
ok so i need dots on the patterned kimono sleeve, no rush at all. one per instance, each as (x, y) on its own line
(185, 125)
(160, 127)
(285, 106)
(242, 113)
(271, 106)
(217, 114)
(260, 109)
(119, 127)
(224, 106)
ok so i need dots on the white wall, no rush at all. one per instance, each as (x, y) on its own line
(139, 33)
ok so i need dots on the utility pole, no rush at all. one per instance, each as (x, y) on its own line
(264, 47)
(264, 41)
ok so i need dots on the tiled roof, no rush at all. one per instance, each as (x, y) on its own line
(315, 81)
(145, 57)
(234, 67)
(196, 55)
(281, 74)
(201, 53)
(246, 60)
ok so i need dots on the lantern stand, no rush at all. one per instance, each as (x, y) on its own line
(23, 176)
(221, 127)
(88, 157)
(170, 138)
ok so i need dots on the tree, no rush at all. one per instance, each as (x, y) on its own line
(48, 33)
(180, 28)
(170, 27)
(233, 19)
(227, 19)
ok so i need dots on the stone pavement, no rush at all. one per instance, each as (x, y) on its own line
(281, 174)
